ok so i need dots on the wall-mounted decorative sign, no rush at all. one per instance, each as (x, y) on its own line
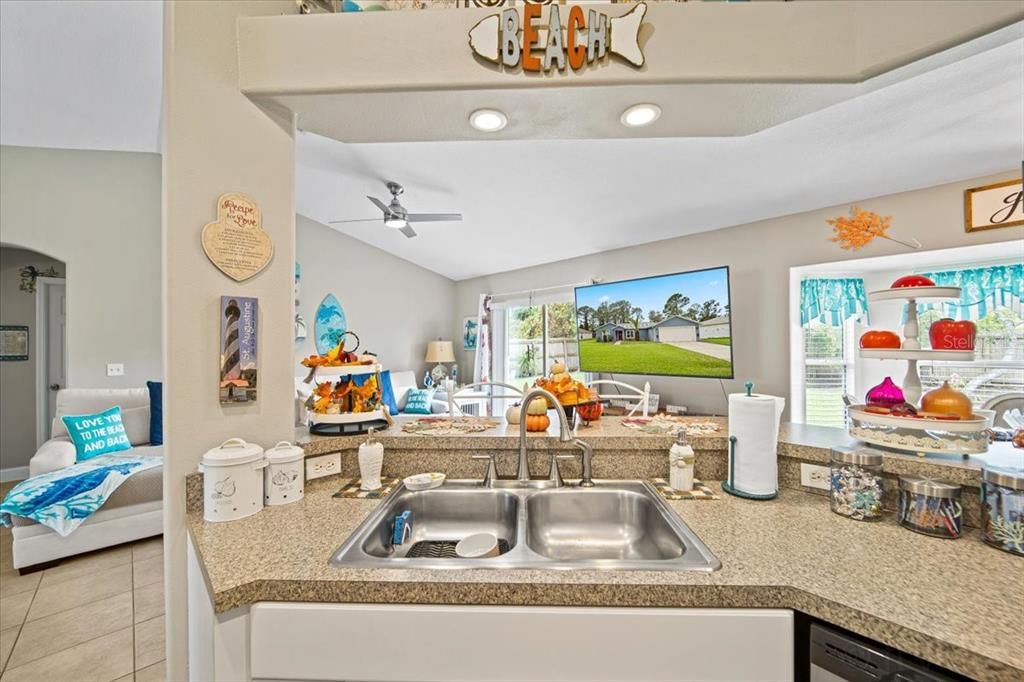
(992, 206)
(13, 342)
(330, 325)
(238, 333)
(514, 37)
(236, 242)
(29, 275)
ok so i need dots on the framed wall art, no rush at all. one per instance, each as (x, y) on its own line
(992, 206)
(13, 342)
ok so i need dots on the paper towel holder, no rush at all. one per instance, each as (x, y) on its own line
(728, 485)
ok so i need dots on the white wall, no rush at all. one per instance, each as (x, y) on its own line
(17, 377)
(394, 306)
(759, 255)
(99, 212)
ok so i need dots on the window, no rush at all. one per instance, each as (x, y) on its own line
(537, 336)
(828, 372)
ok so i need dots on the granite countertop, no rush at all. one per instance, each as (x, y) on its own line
(956, 603)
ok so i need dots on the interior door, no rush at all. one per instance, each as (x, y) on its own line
(56, 368)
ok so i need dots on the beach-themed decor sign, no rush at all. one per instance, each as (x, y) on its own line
(236, 242)
(238, 331)
(522, 37)
(992, 206)
(330, 325)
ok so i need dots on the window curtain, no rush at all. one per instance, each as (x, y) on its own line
(981, 290)
(832, 301)
(482, 365)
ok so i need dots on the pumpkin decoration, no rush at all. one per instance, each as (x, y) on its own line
(561, 384)
(512, 414)
(950, 334)
(538, 405)
(878, 338)
(946, 400)
(886, 394)
(537, 422)
(1018, 438)
(590, 412)
(912, 281)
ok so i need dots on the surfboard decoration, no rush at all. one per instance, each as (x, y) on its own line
(511, 40)
(330, 325)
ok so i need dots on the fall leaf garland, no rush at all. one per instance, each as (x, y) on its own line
(857, 230)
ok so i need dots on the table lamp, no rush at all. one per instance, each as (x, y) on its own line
(440, 352)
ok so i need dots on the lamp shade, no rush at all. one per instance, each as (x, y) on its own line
(440, 351)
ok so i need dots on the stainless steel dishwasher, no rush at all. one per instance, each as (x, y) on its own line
(839, 657)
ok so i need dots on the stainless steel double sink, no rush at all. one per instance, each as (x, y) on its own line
(622, 525)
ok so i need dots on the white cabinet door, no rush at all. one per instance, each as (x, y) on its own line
(368, 643)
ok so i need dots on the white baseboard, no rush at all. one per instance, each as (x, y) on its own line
(13, 474)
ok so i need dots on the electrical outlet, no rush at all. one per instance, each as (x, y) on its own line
(324, 465)
(675, 409)
(814, 476)
(115, 369)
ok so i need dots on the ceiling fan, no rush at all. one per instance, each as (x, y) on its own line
(397, 217)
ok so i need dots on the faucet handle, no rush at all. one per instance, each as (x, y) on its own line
(492, 472)
(554, 475)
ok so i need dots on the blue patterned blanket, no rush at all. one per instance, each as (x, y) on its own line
(64, 499)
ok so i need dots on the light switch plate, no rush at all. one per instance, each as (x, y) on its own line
(324, 465)
(814, 476)
(115, 369)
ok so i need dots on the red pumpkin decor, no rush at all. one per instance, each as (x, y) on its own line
(590, 412)
(912, 281)
(950, 334)
(877, 338)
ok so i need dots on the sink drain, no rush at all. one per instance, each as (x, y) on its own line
(443, 549)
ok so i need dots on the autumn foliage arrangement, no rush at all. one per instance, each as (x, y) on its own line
(857, 230)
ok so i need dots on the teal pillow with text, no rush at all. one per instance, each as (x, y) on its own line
(418, 401)
(97, 434)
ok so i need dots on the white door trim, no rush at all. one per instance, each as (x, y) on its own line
(42, 332)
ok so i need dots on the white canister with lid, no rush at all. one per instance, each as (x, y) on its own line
(232, 480)
(284, 477)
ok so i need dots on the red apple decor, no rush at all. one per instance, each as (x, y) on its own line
(912, 281)
(950, 334)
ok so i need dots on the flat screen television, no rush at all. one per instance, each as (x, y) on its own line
(666, 325)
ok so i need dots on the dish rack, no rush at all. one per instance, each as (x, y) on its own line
(917, 434)
(349, 421)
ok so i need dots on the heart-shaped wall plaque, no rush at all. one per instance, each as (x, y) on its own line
(236, 242)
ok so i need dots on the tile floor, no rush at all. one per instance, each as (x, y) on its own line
(98, 617)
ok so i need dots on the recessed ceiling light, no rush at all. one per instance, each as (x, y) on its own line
(640, 115)
(488, 120)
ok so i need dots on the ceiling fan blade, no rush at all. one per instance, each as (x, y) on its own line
(379, 204)
(408, 231)
(356, 220)
(432, 217)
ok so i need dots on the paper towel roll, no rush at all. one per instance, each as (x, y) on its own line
(754, 422)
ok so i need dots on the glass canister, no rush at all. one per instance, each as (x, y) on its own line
(1002, 509)
(856, 483)
(930, 506)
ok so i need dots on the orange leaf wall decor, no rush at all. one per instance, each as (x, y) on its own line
(859, 229)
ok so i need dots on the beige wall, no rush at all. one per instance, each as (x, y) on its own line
(99, 212)
(18, 378)
(393, 305)
(759, 256)
(217, 141)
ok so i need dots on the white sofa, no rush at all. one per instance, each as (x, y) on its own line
(134, 511)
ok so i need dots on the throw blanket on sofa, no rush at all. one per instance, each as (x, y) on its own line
(64, 499)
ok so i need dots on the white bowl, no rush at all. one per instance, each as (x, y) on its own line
(419, 482)
(477, 546)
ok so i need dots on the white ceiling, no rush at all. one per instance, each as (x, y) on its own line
(81, 75)
(528, 202)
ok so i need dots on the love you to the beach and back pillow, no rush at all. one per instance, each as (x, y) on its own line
(97, 434)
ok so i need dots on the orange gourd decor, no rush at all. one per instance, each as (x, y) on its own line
(590, 412)
(879, 339)
(947, 400)
(537, 422)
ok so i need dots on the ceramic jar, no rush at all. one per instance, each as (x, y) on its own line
(284, 478)
(232, 480)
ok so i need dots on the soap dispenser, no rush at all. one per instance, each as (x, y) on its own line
(680, 463)
(371, 459)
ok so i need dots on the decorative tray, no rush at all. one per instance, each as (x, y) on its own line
(914, 293)
(345, 417)
(919, 434)
(921, 354)
(952, 425)
(344, 370)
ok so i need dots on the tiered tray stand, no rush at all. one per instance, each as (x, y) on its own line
(920, 435)
(346, 423)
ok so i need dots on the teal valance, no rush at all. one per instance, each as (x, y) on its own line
(981, 290)
(832, 301)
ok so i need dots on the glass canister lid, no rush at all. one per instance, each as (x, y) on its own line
(860, 455)
(931, 487)
(1005, 477)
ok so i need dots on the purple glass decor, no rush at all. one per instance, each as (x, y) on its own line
(886, 393)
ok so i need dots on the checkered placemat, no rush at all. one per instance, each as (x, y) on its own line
(351, 489)
(699, 492)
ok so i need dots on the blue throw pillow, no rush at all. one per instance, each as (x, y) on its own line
(418, 401)
(156, 412)
(388, 392)
(97, 434)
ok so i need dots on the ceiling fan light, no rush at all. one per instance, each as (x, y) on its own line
(488, 120)
(640, 115)
(396, 222)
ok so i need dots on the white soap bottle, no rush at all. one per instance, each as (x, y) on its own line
(680, 463)
(371, 460)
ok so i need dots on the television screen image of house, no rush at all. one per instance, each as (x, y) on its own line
(676, 325)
